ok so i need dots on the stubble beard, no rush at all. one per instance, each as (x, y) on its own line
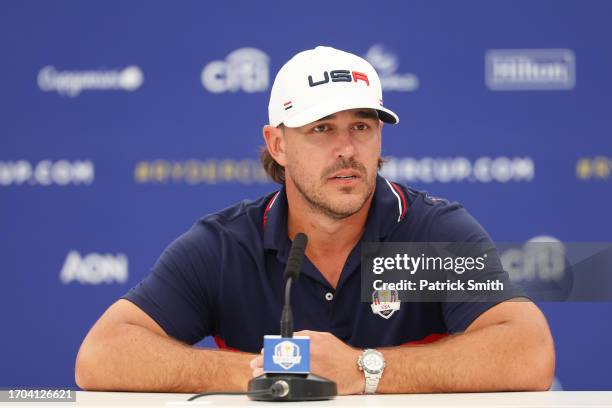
(319, 203)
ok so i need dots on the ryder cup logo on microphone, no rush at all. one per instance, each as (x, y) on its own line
(286, 355)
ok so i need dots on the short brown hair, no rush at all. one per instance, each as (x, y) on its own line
(277, 172)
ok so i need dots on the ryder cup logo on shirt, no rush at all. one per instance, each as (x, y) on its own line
(385, 303)
(245, 69)
(72, 83)
(287, 354)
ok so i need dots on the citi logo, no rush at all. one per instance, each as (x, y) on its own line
(245, 69)
(339, 75)
(94, 269)
(537, 69)
(542, 258)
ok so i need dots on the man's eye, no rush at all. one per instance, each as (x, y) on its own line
(361, 126)
(320, 128)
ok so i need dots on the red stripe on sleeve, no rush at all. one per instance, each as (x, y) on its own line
(268, 206)
(401, 194)
(221, 344)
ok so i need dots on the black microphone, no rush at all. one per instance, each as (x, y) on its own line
(292, 272)
(291, 386)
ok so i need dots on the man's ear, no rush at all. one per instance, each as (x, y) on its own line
(275, 143)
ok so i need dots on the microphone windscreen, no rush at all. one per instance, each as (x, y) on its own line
(296, 256)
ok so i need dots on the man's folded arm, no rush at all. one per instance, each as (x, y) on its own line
(507, 348)
(126, 350)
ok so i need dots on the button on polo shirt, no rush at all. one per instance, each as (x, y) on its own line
(224, 277)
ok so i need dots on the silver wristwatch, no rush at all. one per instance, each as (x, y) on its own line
(372, 363)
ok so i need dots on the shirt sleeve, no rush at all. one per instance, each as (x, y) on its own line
(179, 291)
(452, 223)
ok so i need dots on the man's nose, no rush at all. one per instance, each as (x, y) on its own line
(345, 145)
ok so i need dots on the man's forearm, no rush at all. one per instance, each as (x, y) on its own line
(494, 358)
(133, 358)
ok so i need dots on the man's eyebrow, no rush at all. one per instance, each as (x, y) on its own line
(363, 114)
(367, 114)
(328, 117)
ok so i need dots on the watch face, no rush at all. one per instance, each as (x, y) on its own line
(372, 362)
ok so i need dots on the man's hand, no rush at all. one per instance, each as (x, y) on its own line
(329, 358)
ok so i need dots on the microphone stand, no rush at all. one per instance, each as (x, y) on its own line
(291, 386)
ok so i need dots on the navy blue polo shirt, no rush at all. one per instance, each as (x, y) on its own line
(224, 277)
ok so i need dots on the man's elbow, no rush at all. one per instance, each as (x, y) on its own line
(547, 368)
(85, 373)
(539, 370)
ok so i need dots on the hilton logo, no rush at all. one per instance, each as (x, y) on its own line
(516, 70)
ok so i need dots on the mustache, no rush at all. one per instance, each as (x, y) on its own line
(345, 164)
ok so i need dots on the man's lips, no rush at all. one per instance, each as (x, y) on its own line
(345, 175)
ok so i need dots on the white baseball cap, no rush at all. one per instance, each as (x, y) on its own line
(322, 81)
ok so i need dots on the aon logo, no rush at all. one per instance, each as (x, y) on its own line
(94, 268)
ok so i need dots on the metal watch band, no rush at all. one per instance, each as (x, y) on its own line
(372, 378)
(371, 382)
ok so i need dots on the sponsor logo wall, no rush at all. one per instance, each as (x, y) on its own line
(386, 64)
(460, 169)
(545, 69)
(94, 268)
(595, 168)
(72, 83)
(100, 169)
(46, 172)
(245, 69)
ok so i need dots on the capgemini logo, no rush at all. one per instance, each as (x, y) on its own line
(131, 78)
(72, 83)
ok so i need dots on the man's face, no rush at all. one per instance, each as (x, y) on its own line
(333, 161)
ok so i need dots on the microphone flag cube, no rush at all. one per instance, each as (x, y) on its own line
(286, 354)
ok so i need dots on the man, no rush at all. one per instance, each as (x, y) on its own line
(224, 277)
